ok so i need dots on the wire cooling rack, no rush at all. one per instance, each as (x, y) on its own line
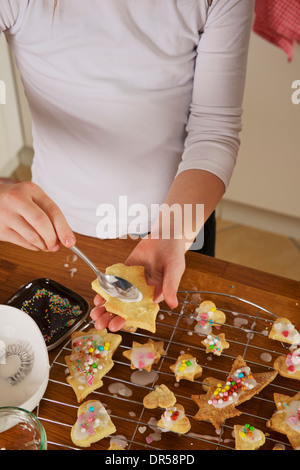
(246, 329)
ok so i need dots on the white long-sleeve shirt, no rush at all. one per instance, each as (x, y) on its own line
(125, 94)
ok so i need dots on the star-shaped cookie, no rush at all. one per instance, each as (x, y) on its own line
(140, 314)
(215, 344)
(220, 402)
(143, 356)
(186, 367)
(286, 419)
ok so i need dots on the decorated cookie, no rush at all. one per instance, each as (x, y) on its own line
(90, 360)
(220, 401)
(289, 366)
(143, 356)
(140, 314)
(208, 316)
(115, 446)
(174, 419)
(186, 367)
(161, 397)
(283, 330)
(278, 446)
(286, 419)
(93, 424)
(247, 437)
(215, 344)
(209, 382)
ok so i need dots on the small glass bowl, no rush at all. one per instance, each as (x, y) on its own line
(21, 430)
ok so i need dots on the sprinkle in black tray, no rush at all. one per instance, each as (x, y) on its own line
(56, 309)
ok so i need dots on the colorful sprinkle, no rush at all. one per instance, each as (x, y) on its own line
(52, 312)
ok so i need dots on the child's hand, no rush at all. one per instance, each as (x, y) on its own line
(29, 218)
(164, 263)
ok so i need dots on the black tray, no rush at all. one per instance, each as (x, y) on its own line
(57, 310)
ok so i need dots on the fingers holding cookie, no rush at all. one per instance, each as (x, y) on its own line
(103, 318)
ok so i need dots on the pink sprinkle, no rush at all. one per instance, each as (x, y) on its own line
(203, 323)
(90, 379)
(285, 333)
(149, 439)
(151, 355)
(91, 431)
(141, 364)
(204, 316)
(293, 419)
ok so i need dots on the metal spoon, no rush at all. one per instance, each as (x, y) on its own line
(113, 285)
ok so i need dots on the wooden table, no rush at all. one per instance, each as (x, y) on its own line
(227, 284)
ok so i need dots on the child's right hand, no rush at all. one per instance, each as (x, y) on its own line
(29, 218)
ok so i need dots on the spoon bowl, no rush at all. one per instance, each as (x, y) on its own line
(113, 285)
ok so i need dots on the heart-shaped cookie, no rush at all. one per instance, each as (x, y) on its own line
(161, 397)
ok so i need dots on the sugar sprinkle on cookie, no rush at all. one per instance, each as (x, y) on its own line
(208, 316)
(221, 400)
(286, 420)
(174, 419)
(90, 360)
(186, 367)
(143, 356)
(248, 437)
(283, 330)
(215, 344)
(93, 424)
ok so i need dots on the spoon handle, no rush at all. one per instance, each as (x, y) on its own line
(85, 258)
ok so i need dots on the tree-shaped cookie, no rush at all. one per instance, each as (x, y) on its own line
(90, 360)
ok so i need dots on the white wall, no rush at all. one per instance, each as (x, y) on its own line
(267, 175)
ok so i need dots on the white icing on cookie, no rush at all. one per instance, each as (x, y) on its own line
(240, 381)
(87, 423)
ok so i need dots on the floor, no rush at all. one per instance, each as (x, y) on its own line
(245, 245)
(258, 249)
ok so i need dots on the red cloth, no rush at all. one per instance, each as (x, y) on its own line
(278, 21)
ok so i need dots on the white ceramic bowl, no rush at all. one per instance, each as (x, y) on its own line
(20, 335)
